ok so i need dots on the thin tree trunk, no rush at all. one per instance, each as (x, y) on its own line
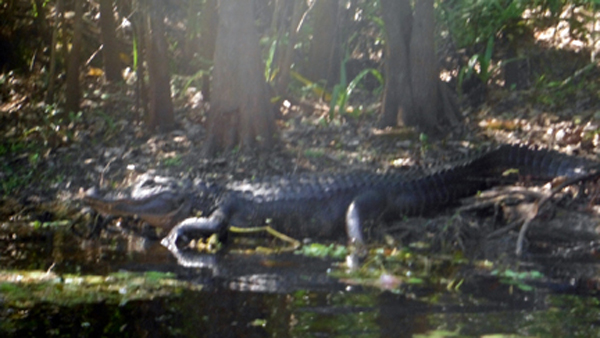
(140, 28)
(323, 61)
(112, 65)
(193, 32)
(160, 116)
(73, 88)
(40, 19)
(288, 56)
(52, 71)
(209, 23)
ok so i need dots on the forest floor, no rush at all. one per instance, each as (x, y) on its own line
(47, 162)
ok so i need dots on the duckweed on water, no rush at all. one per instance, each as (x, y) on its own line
(25, 288)
(322, 250)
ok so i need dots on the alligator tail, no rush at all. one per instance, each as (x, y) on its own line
(542, 164)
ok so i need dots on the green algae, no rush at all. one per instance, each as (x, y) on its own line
(26, 288)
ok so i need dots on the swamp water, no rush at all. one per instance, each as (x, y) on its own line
(55, 284)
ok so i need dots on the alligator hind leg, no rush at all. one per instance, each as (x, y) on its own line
(196, 227)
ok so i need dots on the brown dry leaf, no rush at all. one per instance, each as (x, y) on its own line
(96, 72)
(497, 124)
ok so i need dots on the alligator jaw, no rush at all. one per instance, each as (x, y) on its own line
(163, 210)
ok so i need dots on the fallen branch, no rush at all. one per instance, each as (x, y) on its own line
(537, 206)
(294, 244)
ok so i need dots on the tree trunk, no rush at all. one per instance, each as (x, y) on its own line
(40, 20)
(413, 91)
(424, 69)
(192, 33)
(209, 23)
(139, 26)
(397, 97)
(160, 116)
(324, 58)
(240, 113)
(287, 57)
(73, 88)
(52, 71)
(110, 52)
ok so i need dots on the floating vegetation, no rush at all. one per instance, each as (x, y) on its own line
(323, 250)
(395, 269)
(25, 288)
(518, 279)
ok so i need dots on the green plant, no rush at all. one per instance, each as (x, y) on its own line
(479, 64)
(194, 79)
(425, 144)
(34, 159)
(471, 22)
(35, 9)
(314, 153)
(110, 122)
(518, 279)
(322, 250)
(14, 179)
(172, 161)
(560, 92)
(134, 52)
(270, 70)
(309, 86)
(343, 90)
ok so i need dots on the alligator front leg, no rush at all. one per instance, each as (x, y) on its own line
(195, 227)
(366, 206)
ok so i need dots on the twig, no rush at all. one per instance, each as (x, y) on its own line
(544, 200)
(294, 244)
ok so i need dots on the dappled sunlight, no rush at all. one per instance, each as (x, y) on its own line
(299, 168)
(565, 35)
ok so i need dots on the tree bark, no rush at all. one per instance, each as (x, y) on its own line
(424, 69)
(324, 56)
(52, 71)
(287, 57)
(40, 20)
(414, 94)
(110, 52)
(397, 97)
(192, 33)
(139, 18)
(240, 113)
(160, 116)
(209, 24)
(73, 88)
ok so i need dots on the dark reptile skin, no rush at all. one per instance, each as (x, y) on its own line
(320, 205)
(316, 205)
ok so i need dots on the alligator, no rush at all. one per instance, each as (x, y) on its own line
(323, 205)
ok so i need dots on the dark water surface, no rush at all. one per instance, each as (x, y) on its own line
(283, 295)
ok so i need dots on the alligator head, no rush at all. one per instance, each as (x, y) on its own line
(160, 201)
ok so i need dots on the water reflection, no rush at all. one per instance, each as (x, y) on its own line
(273, 296)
